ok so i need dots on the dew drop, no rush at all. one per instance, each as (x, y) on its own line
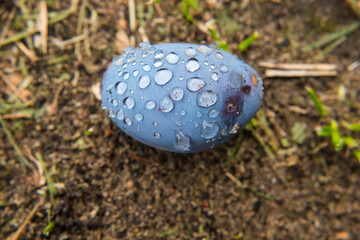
(213, 113)
(155, 123)
(121, 87)
(111, 113)
(182, 141)
(177, 94)
(192, 65)
(166, 105)
(119, 61)
(203, 49)
(190, 52)
(196, 124)
(150, 104)
(135, 73)
(219, 55)
(129, 50)
(157, 135)
(144, 45)
(128, 121)
(163, 76)
(159, 54)
(114, 102)
(131, 57)
(212, 66)
(181, 78)
(198, 114)
(138, 117)
(209, 129)
(178, 123)
(109, 87)
(145, 54)
(157, 63)
(120, 114)
(129, 102)
(152, 49)
(126, 75)
(213, 45)
(182, 112)
(144, 81)
(215, 76)
(172, 58)
(206, 63)
(223, 68)
(138, 127)
(206, 98)
(146, 67)
(195, 84)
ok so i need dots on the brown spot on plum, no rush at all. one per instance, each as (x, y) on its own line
(233, 102)
(254, 80)
(246, 89)
(230, 106)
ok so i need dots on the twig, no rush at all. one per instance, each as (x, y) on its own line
(299, 73)
(299, 66)
(21, 229)
(23, 161)
(251, 189)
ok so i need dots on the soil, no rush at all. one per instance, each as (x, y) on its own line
(109, 186)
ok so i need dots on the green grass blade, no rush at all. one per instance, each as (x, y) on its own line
(318, 104)
(248, 41)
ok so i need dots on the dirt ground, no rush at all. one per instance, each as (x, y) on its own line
(280, 181)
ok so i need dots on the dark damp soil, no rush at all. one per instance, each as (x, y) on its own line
(109, 186)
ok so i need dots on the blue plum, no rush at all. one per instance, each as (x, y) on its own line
(180, 97)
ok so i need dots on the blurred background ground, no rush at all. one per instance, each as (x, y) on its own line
(67, 172)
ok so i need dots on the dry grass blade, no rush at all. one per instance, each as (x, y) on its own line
(21, 229)
(30, 54)
(251, 189)
(12, 86)
(299, 73)
(23, 161)
(63, 43)
(299, 66)
(355, 5)
(42, 25)
(8, 23)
